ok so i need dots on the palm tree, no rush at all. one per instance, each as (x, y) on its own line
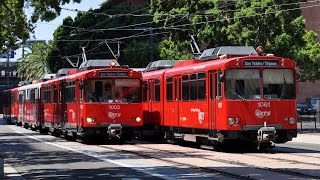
(34, 64)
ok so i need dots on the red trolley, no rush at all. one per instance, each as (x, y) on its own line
(228, 94)
(104, 102)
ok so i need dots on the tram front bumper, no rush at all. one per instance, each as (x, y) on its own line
(266, 134)
(115, 130)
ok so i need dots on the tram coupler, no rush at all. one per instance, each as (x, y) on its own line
(266, 136)
(115, 130)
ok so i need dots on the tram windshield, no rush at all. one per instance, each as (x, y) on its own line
(242, 84)
(278, 84)
(245, 84)
(109, 91)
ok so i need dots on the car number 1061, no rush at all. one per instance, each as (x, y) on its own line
(263, 104)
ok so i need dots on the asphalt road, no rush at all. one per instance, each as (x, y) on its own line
(36, 156)
(37, 160)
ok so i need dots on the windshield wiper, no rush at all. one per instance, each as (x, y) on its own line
(236, 94)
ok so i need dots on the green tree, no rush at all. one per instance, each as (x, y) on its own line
(98, 25)
(34, 64)
(276, 25)
(14, 26)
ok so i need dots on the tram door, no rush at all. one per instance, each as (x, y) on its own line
(212, 100)
(62, 105)
(177, 97)
(55, 109)
(79, 102)
(150, 101)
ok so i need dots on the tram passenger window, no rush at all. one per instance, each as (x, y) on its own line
(185, 87)
(169, 89)
(145, 91)
(157, 90)
(193, 87)
(201, 86)
(55, 94)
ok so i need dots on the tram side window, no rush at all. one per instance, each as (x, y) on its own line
(13, 98)
(185, 87)
(55, 94)
(201, 86)
(21, 96)
(145, 91)
(169, 89)
(193, 87)
(157, 90)
(47, 94)
(70, 92)
(32, 96)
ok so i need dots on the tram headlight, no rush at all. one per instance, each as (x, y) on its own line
(90, 120)
(292, 120)
(231, 121)
(138, 119)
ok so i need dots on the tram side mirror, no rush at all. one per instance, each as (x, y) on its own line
(221, 77)
(145, 87)
(81, 85)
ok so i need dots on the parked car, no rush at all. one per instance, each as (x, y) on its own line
(313, 101)
(305, 109)
(302, 108)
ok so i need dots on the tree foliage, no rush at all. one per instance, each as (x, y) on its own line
(14, 25)
(276, 25)
(97, 26)
(34, 64)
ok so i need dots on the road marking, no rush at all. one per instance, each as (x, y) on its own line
(12, 173)
(143, 170)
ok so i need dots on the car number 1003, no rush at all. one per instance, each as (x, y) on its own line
(263, 104)
(114, 106)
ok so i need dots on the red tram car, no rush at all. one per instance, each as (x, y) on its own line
(229, 94)
(29, 105)
(10, 105)
(105, 102)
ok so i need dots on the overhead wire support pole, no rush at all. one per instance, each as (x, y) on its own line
(84, 56)
(151, 44)
(118, 54)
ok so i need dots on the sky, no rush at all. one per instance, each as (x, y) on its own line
(44, 30)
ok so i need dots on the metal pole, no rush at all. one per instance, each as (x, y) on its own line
(317, 113)
(151, 45)
(7, 67)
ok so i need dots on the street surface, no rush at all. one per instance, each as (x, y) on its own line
(29, 155)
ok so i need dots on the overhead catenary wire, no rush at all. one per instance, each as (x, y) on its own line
(83, 30)
(177, 27)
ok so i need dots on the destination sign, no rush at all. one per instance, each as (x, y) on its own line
(265, 63)
(118, 74)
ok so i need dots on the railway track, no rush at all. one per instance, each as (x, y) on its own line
(276, 165)
(193, 155)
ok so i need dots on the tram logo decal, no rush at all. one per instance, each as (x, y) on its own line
(262, 114)
(200, 114)
(113, 115)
